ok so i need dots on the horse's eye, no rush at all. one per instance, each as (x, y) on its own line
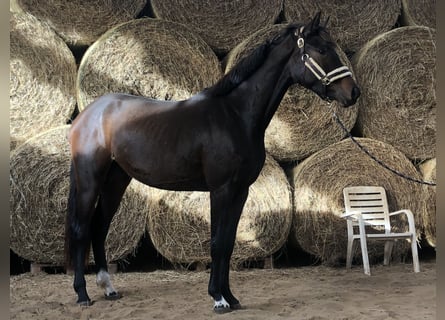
(322, 51)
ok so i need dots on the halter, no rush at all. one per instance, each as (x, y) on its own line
(325, 78)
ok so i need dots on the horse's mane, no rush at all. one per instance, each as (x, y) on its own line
(247, 66)
(241, 71)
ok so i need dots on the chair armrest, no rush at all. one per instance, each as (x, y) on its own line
(351, 214)
(405, 211)
(409, 215)
(353, 217)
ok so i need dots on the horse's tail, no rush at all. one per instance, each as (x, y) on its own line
(71, 223)
(71, 213)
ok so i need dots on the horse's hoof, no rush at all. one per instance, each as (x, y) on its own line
(113, 296)
(236, 306)
(85, 303)
(221, 309)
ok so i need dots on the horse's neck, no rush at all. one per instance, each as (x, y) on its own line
(263, 92)
(281, 86)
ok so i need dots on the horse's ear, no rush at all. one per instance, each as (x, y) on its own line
(326, 22)
(313, 24)
(316, 21)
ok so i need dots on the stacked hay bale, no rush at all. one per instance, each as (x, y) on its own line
(303, 123)
(397, 74)
(172, 60)
(352, 23)
(149, 57)
(428, 218)
(318, 199)
(179, 222)
(42, 79)
(39, 184)
(419, 12)
(222, 24)
(81, 22)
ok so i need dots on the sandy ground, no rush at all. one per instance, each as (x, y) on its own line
(314, 292)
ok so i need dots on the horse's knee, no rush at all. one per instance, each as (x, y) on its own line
(79, 232)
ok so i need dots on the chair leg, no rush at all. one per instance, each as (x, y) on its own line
(365, 259)
(349, 253)
(364, 248)
(415, 254)
(388, 249)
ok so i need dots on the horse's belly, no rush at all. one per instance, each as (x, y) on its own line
(163, 176)
(184, 185)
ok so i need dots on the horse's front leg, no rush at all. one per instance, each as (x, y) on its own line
(226, 206)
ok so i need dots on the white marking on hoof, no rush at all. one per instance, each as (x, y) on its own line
(103, 280)
(221, 304)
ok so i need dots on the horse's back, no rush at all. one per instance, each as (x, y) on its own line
(115, 103)
(112, 110)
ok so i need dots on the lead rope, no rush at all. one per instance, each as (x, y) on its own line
(372, 156)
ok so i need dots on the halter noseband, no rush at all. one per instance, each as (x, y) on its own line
(325, 78)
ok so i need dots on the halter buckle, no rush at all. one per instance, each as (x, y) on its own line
(325, 81)
(300, 42)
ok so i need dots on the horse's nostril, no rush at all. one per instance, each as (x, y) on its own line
(355, 93)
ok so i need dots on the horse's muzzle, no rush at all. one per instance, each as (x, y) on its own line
(348, 101)
(355, 93)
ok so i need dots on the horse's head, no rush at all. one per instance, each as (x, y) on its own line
(316, 65)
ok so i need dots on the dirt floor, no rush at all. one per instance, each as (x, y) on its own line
(311, 292)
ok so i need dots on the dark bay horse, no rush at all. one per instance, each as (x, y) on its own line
(213, 142)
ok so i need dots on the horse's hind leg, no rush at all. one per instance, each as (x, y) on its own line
(111, 193)
(84, 190)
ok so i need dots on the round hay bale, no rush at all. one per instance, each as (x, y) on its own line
(352, 22)
(318, 196)
(149, 57)
(302, 124)
(397, 74)
(419, 12)
(179, 222)
(222, 24)
(428, 218)
(39, 186)
(42, 79)
(81, 22)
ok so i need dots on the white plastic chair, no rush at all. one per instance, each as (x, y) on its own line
(368, 206)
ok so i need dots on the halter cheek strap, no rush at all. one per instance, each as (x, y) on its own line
(325, 78)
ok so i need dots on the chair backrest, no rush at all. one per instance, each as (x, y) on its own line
(371, 202)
